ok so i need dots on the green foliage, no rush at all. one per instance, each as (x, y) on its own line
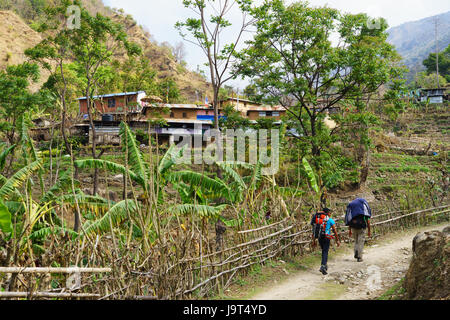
(311, 175)
(233, 119)
(135, 158)
(111, 167)
(289, 35)
(168, 89)
(203, 211)
(133, 74)
(265, 123)
(30, 10)
(394, 104)
(209, 187)
(117, 214)
(428, 81)
(251, 91)
(444, 64)
(4, 154)
(15, 96)
(5, 219)
(18, 179)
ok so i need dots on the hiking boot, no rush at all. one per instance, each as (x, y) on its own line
(360, 260)
(323, 269)
(356, 254)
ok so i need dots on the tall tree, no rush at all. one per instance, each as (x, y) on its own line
(294, 62)
(311, 59)
(53, 54)
(443, 62)
(428, 81)
(16, 97)
(207, 31)
(91, 47)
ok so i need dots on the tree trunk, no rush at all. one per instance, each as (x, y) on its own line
(216, 108)
(315, 148)
(365, 170)
(94, 136)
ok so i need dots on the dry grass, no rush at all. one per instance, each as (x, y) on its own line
(15, 37)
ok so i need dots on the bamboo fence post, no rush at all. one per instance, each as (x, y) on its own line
(9, 295)
(36, 270)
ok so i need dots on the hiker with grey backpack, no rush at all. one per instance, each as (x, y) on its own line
(322, 224)
(357, 218)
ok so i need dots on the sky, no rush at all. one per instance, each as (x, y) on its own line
(160, 16)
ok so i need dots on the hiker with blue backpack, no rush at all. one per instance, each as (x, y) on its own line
(357, 218)
(322, 224)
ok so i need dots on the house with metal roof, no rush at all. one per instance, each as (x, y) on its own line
(137, 108)
(116, 103)
(432, 95)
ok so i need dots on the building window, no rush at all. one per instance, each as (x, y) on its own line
(111, 103)
(262, 114)
(275, 114)
(184, 115)
(172, 115)
(269, 113)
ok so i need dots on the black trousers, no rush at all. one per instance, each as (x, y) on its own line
(325, 246)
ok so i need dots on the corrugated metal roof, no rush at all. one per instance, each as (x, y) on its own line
(266, 108)
(187, 121)
(177, 106)
(240, 100)
(114, 95)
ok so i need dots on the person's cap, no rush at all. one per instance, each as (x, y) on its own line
(326, 210)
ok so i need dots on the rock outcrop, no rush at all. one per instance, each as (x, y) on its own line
(428, 277)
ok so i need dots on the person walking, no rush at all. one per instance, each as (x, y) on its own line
(322, 225)
(357, 218)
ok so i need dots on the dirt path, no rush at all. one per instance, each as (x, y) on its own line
(385, 263)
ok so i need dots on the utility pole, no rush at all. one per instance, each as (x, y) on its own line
(437, 51)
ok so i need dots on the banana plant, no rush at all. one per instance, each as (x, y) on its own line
(4, 154)
(311, 176)
(201, 195)
(312, 180)
(151, 183)
(5, 219)
(9, 190)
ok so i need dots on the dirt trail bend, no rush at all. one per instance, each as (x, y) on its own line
(385, 263)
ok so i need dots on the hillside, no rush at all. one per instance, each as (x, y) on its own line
(16, 35)
(416, 40)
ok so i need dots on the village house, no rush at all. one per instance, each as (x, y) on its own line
(113, 104)
(241, 105)
(432, 95)
(180, 118)
(264, 111)
(137, 108)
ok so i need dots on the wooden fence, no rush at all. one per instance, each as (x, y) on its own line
(73, 283)
(191, 274)
(206, 275)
